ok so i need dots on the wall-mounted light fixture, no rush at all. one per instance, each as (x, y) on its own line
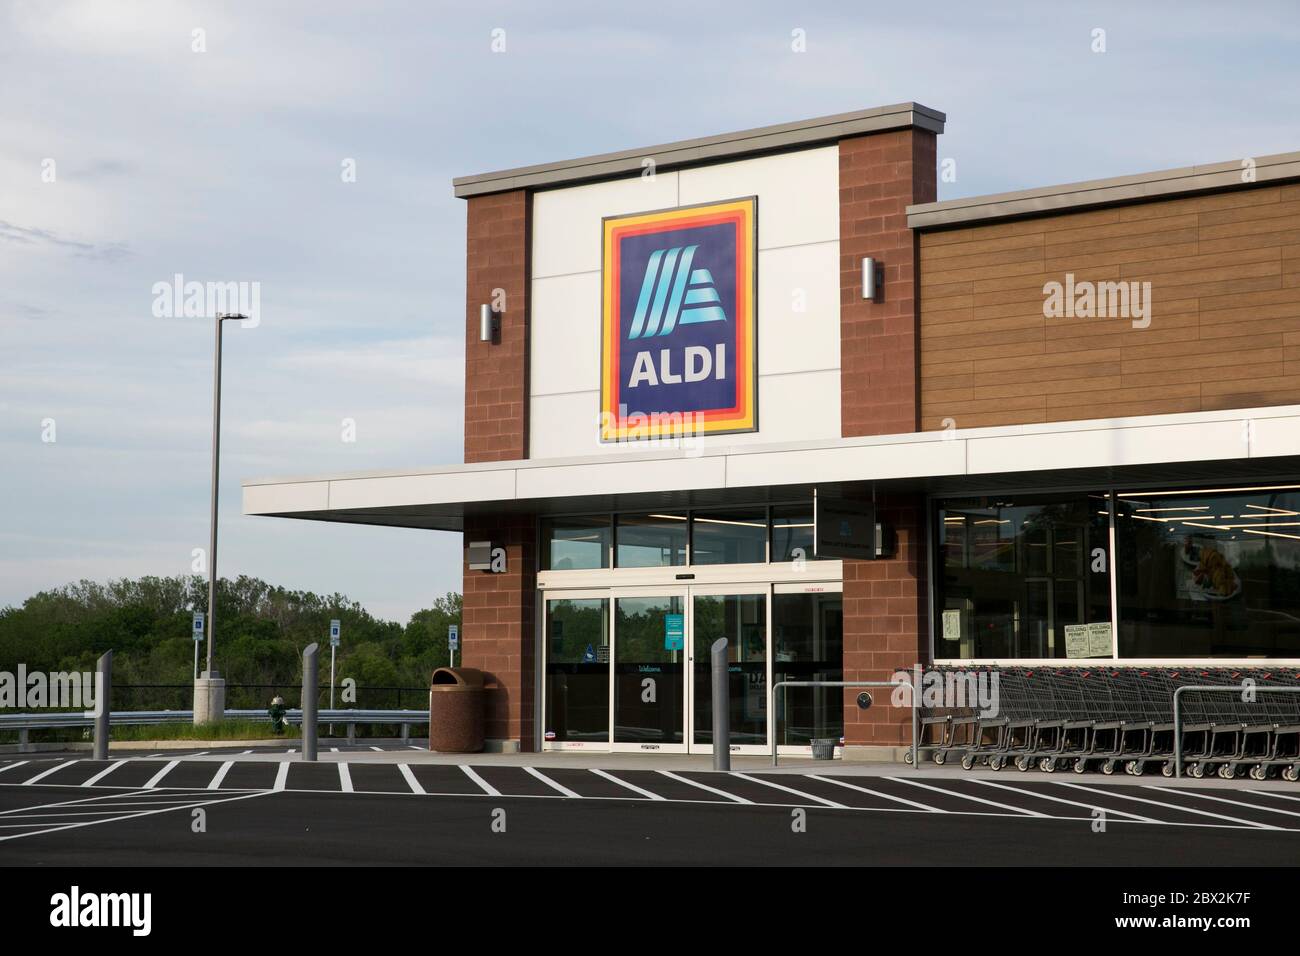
(487, 322)
(870, 282)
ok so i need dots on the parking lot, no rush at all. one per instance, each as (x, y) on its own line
(397, 804)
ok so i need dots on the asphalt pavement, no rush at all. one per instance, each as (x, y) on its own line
(396, 805)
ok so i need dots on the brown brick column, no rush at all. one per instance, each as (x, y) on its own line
(880, 176)
(498, 237)
(498, 626)
(886, 623)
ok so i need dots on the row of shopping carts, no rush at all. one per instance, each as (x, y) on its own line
(1085, 718)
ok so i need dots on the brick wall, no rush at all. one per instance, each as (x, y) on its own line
(880, 176)
(497, 625)
(886, 623)
(496, 375)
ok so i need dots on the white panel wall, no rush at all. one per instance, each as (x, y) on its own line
(798, 297)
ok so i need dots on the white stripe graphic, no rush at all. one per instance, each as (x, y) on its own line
(648, 794)
(551, 783)
(490, 790)
(410, 778)
(345, 778)
(704, 786)
(221, 775)
(153, 781)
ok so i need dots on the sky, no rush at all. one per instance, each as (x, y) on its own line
(134, 149)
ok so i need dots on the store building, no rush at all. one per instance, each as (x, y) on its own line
(1071, 406)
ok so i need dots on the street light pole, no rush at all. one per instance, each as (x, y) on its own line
(210, 689)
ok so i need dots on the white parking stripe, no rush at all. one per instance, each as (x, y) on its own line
(648, 794)
(1174, 806)
(967, 796)
(551, 783)
(345, 778)
(156, 778)
(704, 786)
(413, 747)
(792, 790)
(281, 775)
(377, 749)
(1235, 803)
(410, 778)
(1274, 793)
(14, 766)
(45, 773)
(221, 775)
(129, 816)
(1073, 803)
(334, 750)
(105, 772)
(877, 793)
(490, 790)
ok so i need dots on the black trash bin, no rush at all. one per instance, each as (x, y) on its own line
(456, 710)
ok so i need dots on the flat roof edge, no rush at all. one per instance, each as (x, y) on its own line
(1165, 183)
(707, 149)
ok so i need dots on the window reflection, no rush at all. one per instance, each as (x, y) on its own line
(1212, 573)
(1017, 577)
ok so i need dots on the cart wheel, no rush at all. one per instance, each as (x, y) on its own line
(1257, 773)
(1167, 768)
(997, 763)
(1291, 774)
(967, 761)
(1196, 770)
(907, 756)
(1023, 764)
(1134, 768)
(940, 758)
(1047, 765)
(1108, 767)
(1080, 765)
(1227, 771)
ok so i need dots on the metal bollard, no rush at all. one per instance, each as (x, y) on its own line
(103, 704)
(310, 689)
(721, 706)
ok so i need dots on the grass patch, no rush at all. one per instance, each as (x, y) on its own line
(222, 730)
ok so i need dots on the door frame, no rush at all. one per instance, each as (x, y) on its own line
(692, 688)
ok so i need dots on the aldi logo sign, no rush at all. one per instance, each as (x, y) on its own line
(679, 323)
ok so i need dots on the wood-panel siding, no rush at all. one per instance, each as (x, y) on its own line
(1224, 308)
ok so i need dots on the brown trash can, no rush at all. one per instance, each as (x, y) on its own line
(456, 710)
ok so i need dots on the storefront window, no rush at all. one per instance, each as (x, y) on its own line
(1209, 573)
(580, 543)
(792, 532)
(1019, 576)
(729, 537)
(651, 540)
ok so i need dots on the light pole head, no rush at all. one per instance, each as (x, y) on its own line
(225, 316)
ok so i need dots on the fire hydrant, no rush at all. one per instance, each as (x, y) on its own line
(276, 713)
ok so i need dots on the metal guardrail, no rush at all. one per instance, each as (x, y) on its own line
(37, 721)
(1228, 688)
(782, 684)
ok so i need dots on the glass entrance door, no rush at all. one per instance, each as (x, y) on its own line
(740, 616)
(648, 693)
(629, 668)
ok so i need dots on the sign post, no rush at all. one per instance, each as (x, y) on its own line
(336, 631)
(453, 643)
(198, 638)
